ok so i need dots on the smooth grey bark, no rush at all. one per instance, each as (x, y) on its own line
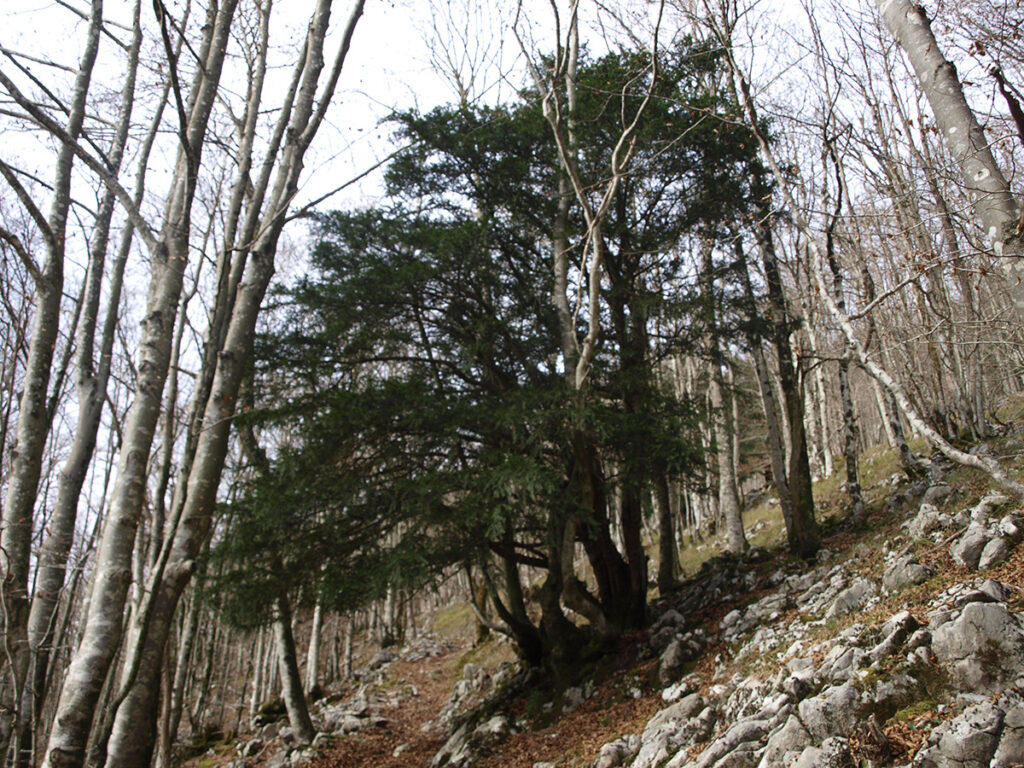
(103, 623)
(988, 465)
(131, 741)
(176, 705)
(819, 415)
(291, 681)
(987, 188)
(313, 653)
(93, 374)
(728, 496)
(34, 416)
(346, 661)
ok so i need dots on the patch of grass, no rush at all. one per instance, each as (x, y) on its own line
(1011, 409)
(454, 621)
(764, 525)
(488, 655)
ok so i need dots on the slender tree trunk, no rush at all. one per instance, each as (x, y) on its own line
(81, 689)
(192, 520)
(346, 662)
(986, 185)
(776, 444)
(728, 498)
(991, 467)
(34, 415)
(668, 562)
(313, 654)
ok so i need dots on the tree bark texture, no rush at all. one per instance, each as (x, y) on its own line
(986, 185)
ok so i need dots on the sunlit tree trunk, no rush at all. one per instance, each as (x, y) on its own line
(986, 185)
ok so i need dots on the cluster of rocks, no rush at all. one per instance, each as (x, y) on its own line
(333, 718)
(823, 702)
(982, 536)
(969, 652)
(473, 717)
(954, 667)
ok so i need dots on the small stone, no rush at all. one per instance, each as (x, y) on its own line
(968, 548)
(998, 591)
(937, 493)
(996, 552)
(616, 753)
(1012, 527)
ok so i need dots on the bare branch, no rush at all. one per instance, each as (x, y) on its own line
(100, 168)
(15, 242)
(26, 200)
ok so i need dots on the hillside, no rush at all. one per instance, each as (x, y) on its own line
(902, 643)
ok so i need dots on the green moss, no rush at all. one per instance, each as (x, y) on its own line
(914, 711)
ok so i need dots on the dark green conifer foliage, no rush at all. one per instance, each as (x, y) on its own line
(414, 382)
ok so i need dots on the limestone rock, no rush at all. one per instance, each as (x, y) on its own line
(905, 572)
(672, 735)
(1012, 527)
(996, 551)
(791, 737)
(989, 503)
(927, 521)
(680, 651)
(968, 741)
(982, 647)
(937, 493)
(852, 598)
(835, 711)
(968, 548)
(1010, 751)
(616, 753)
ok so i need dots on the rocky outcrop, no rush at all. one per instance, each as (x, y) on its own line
(964, 654)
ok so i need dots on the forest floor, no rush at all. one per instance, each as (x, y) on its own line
(408, 731)
(624, 692)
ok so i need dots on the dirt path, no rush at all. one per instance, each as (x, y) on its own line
(375, 747)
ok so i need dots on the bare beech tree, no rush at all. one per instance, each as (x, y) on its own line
(998, 212)
(988, 465)
(254, 249)
(170, 254)
(16, 524)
